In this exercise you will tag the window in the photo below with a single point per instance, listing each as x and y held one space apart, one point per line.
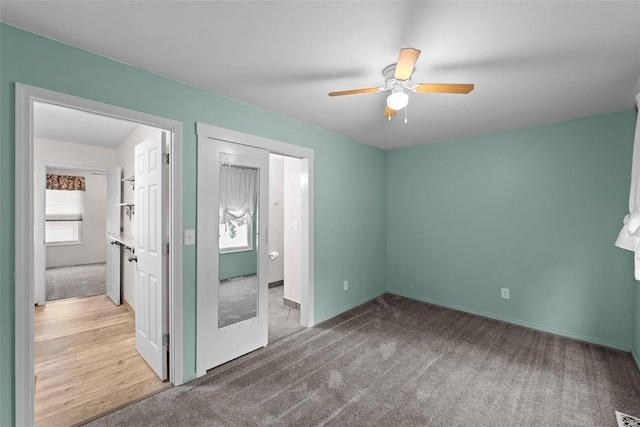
238 193
63 232
63 217
235 235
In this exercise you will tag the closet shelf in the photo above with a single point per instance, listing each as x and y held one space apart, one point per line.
131 180
128 242
129 209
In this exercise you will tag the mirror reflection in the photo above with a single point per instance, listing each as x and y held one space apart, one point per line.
238 260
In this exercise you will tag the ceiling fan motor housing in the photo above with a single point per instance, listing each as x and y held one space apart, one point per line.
391 82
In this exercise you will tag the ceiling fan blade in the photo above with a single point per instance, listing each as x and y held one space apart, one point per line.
443 88
388 112
406 62
355 91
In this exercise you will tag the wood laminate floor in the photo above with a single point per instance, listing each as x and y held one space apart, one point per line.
86 363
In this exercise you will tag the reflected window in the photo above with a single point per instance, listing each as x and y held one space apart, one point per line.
238 193
235 235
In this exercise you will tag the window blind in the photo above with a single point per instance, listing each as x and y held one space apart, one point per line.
63 205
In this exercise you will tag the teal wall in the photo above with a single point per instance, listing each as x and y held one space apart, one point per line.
536 210
238 264
349 177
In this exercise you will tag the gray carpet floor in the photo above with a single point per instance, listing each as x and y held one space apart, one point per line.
76 281
400 362
238 300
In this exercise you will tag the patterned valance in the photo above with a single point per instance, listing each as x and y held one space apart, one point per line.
65 182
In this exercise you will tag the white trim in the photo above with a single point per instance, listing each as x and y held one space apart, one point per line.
307 317
273 146
176 330
307 254
202 295
24 309
24 232
635 358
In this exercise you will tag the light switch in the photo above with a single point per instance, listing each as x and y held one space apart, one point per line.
189 237
296 225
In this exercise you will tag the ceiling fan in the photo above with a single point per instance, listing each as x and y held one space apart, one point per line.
397 78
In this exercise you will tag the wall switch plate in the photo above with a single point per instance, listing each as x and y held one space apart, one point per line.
346 285
296 224
505 293
189 237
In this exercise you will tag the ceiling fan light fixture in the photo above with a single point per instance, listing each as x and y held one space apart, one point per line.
397 78
397 100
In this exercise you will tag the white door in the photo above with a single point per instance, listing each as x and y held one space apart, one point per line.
235 271
113 230
151 302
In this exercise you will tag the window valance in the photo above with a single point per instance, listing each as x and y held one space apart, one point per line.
65 182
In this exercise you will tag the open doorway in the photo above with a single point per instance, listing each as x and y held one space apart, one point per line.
153 167
75 232
87 356
285 239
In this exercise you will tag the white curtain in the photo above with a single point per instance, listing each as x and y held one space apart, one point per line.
237 193
629 237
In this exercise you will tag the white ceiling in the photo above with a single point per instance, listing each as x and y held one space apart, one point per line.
79 127
532 62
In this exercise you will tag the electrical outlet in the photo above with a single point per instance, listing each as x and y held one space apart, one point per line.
505 293
346 285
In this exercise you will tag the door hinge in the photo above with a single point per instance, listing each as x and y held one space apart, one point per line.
165 158
165 340
165 249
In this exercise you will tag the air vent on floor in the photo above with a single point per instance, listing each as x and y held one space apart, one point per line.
625 420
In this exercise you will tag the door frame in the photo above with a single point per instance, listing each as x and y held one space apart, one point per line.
39 221
306 155
25 97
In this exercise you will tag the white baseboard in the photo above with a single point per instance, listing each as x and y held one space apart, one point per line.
350 306
636 358
579 337
189 377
